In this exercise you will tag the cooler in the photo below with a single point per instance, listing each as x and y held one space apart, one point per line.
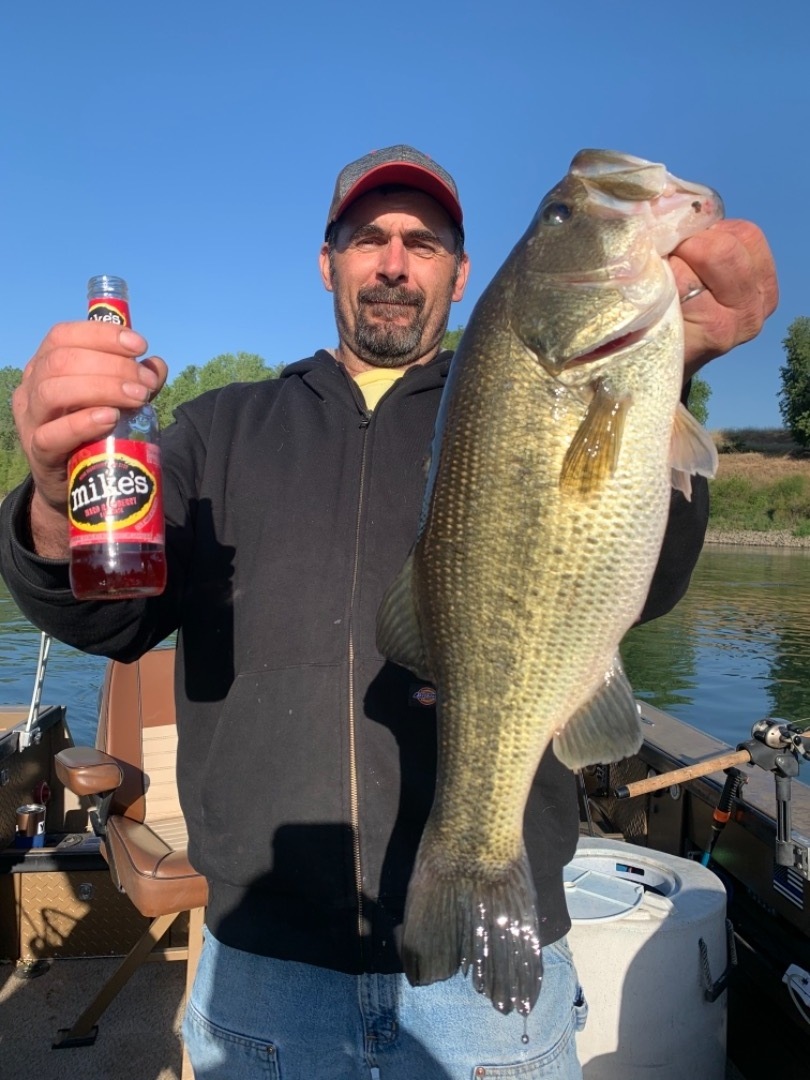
650 943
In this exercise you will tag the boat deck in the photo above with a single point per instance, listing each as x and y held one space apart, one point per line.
139 1035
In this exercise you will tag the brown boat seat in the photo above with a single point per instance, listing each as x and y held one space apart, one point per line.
130 776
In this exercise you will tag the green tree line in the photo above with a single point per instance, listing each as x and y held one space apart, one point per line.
192 381
13 466
794 397
222 370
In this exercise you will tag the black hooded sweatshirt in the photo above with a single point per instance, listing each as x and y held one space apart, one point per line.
306 762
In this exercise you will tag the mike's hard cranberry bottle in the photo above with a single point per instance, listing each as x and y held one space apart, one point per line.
115 497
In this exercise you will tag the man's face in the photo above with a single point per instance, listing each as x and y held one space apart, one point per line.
394 273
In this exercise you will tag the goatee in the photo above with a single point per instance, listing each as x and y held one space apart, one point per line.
381 339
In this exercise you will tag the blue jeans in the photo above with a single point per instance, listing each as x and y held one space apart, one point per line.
252 1016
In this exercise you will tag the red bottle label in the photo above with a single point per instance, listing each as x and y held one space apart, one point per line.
114 493
109 309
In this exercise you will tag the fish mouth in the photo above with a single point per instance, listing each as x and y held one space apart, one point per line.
633 332
609 347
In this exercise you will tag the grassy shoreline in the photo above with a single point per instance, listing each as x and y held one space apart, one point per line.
761 494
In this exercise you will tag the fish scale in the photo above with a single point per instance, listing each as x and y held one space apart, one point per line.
545 507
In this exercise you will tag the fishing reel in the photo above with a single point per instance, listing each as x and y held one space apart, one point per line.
780 735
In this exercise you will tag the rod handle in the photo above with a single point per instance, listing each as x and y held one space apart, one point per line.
680 776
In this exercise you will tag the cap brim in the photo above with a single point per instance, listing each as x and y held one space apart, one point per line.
408 174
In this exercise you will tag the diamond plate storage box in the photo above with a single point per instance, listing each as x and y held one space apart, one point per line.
61 902
57 900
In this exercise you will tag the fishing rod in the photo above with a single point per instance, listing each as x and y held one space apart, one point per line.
29 735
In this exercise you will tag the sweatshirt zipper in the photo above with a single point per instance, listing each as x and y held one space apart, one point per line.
354 799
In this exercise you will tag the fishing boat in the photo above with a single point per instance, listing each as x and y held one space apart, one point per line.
689 895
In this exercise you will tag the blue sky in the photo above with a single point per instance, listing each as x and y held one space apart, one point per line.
192 148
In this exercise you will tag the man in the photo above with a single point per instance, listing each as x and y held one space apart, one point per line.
306 763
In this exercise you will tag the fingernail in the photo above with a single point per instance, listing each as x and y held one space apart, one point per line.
132 341
136 390
149 377
105 415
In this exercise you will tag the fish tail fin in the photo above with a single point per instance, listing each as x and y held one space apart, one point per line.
606 728
487 923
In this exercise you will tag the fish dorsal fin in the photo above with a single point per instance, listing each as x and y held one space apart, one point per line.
594 451
399 636
606 728
692 451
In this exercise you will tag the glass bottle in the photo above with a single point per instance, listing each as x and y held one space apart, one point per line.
115 497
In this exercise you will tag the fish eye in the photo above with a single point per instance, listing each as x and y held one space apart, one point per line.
555 213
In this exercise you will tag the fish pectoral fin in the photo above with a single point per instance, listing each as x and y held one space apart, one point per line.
607 728
593 454
692 451
399 635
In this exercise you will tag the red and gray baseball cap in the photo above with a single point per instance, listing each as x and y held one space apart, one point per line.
395 165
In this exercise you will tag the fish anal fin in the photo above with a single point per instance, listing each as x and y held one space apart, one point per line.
593 455
692 451
399 636
606 728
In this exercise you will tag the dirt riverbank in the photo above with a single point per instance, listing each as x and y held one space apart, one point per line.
776 538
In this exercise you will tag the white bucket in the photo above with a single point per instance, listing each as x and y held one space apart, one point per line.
638 956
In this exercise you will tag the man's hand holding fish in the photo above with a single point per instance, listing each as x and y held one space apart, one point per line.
732 266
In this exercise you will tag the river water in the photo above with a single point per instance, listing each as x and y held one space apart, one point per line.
736 649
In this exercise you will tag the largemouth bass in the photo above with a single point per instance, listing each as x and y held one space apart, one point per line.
559 435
